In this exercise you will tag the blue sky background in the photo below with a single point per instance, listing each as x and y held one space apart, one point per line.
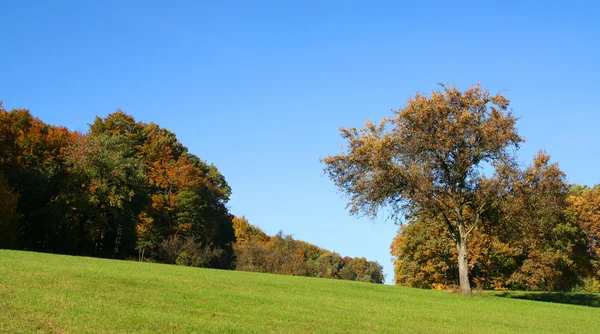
260 88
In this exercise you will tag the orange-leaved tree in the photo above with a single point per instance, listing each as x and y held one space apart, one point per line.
428 160
585 204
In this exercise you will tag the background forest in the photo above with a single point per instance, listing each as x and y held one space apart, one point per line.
131 190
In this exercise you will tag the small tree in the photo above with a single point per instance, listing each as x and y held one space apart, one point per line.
427 160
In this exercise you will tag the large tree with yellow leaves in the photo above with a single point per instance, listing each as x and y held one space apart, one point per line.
428 160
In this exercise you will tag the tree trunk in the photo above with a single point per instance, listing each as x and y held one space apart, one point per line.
463 263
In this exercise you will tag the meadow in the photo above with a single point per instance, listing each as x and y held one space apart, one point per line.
67 294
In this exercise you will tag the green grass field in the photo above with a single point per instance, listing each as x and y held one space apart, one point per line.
52 294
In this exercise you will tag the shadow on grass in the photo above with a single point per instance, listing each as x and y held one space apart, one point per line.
583 299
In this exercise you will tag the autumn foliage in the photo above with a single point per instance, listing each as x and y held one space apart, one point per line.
541 237
426 161
131 190
445 167
282 254
125 188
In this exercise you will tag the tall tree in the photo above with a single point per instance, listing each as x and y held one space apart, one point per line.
187 211
428 160
107 191
31 161
554 252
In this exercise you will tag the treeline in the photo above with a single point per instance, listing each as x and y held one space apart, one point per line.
282 254
125 189
541 235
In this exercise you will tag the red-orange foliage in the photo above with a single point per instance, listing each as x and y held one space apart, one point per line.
585 204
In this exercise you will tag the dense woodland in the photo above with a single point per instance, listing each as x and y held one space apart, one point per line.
131 190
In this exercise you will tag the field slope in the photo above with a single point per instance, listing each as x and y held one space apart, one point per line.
52 293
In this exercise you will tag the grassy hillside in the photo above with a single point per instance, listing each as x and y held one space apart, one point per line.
51 293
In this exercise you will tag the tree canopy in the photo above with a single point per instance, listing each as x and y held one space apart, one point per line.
124 187
534 242
429 160
130 190
445 167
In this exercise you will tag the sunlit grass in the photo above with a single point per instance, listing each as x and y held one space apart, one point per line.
52 293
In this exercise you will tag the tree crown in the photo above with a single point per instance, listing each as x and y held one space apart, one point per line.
429 156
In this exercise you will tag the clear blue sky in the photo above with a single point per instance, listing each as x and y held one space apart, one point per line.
260 88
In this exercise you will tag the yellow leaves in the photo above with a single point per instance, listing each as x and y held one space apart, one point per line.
244 232
541 159
500 101
144 225
157 201
585 204
183 228
241 227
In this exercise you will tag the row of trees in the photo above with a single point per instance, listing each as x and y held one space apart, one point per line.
129 189
282 254
445 166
